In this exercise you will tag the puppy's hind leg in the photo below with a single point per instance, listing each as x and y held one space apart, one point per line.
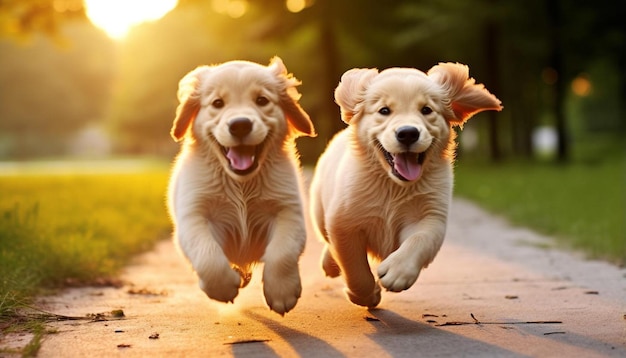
351 253
330 266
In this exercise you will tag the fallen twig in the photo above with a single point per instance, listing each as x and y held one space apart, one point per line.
48 317
92 317
244 341
461 323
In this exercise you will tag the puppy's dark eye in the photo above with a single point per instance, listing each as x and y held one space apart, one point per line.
218 103
262 101
385 111
426 110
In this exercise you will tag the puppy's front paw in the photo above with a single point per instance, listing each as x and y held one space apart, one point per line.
221 284
282 288
370 301
397 274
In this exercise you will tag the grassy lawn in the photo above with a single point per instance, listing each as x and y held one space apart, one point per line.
77 227
582 205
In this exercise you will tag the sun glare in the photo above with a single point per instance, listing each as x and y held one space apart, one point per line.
117 17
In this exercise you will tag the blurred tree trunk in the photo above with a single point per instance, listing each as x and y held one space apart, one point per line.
521 103
329 122
556 62
621 63
524 122
493 84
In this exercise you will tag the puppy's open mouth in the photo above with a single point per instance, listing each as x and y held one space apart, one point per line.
406 166
243 158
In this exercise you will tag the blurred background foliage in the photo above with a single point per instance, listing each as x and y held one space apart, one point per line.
68 89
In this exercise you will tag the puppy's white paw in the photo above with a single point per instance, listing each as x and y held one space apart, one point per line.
281 291
369 301
397 273
221 284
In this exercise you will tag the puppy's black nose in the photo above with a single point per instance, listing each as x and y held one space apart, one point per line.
407 135
240 127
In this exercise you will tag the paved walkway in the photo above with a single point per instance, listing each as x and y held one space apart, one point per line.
492 291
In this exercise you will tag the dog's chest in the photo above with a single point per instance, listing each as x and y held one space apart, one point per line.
242 225
244 216
380 202
380 218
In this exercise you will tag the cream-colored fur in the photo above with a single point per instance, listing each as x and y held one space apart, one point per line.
235 190
384 184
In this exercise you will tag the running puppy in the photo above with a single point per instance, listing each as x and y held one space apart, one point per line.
235 190
384 184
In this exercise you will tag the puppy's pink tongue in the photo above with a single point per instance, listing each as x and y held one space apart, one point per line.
406 165
241 157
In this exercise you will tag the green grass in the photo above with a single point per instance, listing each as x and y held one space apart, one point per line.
582 205
60 229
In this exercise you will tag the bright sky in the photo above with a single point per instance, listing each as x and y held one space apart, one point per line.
116 17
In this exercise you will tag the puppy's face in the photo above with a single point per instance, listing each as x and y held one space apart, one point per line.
403 122
242 111
239 115
403 117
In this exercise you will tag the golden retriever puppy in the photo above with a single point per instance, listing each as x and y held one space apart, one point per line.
384 184
235 190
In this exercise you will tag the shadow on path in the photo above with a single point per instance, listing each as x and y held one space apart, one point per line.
304 344
402 337
257 349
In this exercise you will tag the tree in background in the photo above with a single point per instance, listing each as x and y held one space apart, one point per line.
52 87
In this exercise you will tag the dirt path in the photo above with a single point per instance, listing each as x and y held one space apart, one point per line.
486 294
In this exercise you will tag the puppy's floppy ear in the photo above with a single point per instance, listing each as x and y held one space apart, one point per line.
466 97
189 99
288 99
350 91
